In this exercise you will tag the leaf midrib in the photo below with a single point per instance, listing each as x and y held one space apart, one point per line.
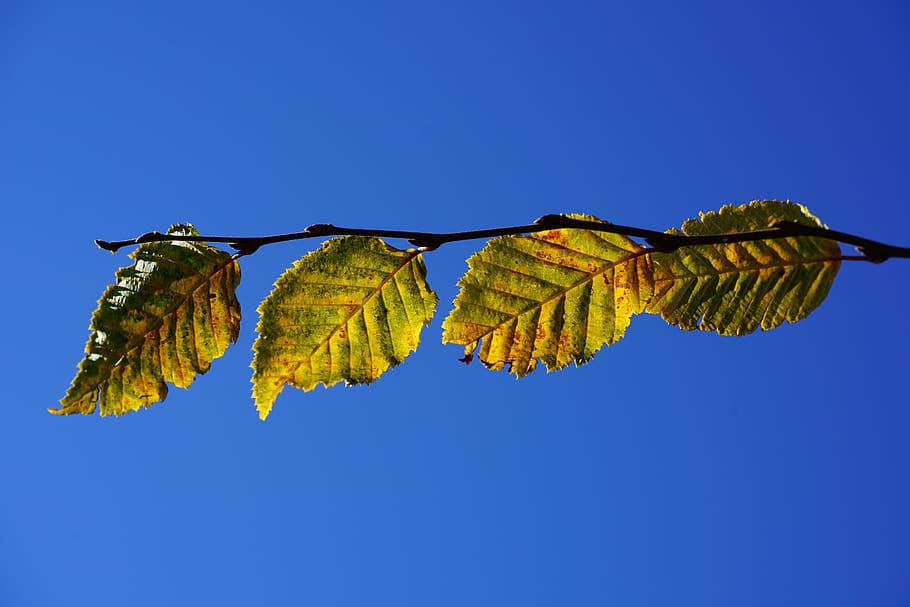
344 323
141 339
562 293
758 268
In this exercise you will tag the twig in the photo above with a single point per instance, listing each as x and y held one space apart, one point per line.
871 250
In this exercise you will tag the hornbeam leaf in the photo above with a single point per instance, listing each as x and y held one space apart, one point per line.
346 312
165 319
556 296
735 288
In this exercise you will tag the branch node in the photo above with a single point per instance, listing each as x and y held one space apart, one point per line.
320 229
873 254
244 247
666 243
426 242
149 237
549 220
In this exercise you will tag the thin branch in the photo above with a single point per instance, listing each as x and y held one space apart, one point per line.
872 250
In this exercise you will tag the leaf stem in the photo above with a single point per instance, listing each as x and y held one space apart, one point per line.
872 251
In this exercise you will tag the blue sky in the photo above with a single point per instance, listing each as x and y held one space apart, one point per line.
674 469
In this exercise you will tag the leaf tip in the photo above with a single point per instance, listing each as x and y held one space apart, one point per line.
264 399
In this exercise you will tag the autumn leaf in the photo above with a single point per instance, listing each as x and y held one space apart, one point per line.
735 288
556 296
166 318
346 312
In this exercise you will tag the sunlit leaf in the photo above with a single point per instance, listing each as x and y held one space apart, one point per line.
556 296
164 320
346 312
735 288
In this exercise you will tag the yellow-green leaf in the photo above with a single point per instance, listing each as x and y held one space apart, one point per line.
556 296
735 288
165 319
346 312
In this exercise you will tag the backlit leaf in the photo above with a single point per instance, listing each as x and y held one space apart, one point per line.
556 296
346 312
164 320
735 288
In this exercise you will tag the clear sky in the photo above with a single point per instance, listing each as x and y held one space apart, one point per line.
674 469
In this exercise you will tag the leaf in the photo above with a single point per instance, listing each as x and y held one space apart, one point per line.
346 312
556 296
735 288
165 319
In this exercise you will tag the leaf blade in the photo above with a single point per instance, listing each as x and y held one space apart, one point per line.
146 330
555 296
346 312
734 289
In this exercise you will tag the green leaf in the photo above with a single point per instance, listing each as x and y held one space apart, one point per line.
556 296
165 319
735 288
346 312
